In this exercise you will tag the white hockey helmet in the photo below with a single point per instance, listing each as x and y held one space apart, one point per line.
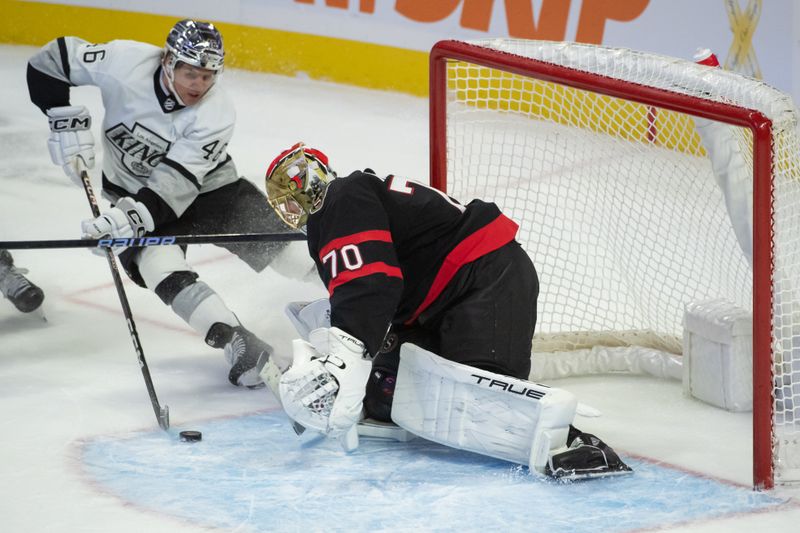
296 183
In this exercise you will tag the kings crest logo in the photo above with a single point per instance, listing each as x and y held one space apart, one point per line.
139 149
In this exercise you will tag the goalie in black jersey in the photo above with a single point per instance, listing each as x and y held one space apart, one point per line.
458 296
166 170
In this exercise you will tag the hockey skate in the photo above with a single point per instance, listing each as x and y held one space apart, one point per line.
245 352
587 457
18 289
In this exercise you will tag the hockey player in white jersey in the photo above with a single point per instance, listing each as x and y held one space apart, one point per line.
166 170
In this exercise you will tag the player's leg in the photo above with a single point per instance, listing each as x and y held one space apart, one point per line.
17 288
164 270
496 415
491 324
490 327
480 411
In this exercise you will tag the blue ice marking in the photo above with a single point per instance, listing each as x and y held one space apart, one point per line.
254 473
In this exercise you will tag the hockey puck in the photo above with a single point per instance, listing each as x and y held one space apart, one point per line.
191 436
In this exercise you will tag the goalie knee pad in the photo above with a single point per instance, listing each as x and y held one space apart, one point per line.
479 411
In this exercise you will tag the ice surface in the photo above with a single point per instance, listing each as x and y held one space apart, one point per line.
271 480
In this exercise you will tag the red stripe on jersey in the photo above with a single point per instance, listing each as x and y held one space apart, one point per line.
355 238
366 270
489 238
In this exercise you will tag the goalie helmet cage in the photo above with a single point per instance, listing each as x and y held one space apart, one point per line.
594 152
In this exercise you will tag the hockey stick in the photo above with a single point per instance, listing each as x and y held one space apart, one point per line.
153 240
162 413
271 374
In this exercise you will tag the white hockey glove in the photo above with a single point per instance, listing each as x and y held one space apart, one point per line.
324 389
127 219
71 139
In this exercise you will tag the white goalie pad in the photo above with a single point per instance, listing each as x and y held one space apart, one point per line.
479 411
308 316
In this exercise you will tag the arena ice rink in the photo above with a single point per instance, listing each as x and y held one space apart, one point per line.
80 447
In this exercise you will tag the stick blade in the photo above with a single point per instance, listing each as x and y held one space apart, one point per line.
163 418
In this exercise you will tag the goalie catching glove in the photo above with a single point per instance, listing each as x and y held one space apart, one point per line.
127 219
324 388
71 143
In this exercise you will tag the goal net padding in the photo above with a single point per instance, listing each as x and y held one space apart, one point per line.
628 218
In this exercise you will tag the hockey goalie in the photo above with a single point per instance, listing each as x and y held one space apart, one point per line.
458 296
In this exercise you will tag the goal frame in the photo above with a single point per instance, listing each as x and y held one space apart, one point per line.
763 189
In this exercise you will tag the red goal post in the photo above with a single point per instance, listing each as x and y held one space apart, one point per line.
490 99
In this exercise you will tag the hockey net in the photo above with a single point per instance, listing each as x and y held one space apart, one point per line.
594 151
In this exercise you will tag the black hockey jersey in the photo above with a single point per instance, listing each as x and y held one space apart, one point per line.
387 248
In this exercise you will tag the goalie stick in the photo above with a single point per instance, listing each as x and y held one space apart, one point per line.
271 374
162 413
152 240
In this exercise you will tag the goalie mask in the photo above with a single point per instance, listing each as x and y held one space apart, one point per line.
194 43
296 183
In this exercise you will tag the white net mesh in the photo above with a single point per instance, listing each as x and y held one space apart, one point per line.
618 204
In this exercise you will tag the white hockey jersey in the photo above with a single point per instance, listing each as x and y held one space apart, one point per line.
150 141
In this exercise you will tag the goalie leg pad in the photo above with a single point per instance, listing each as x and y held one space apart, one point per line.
480 411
